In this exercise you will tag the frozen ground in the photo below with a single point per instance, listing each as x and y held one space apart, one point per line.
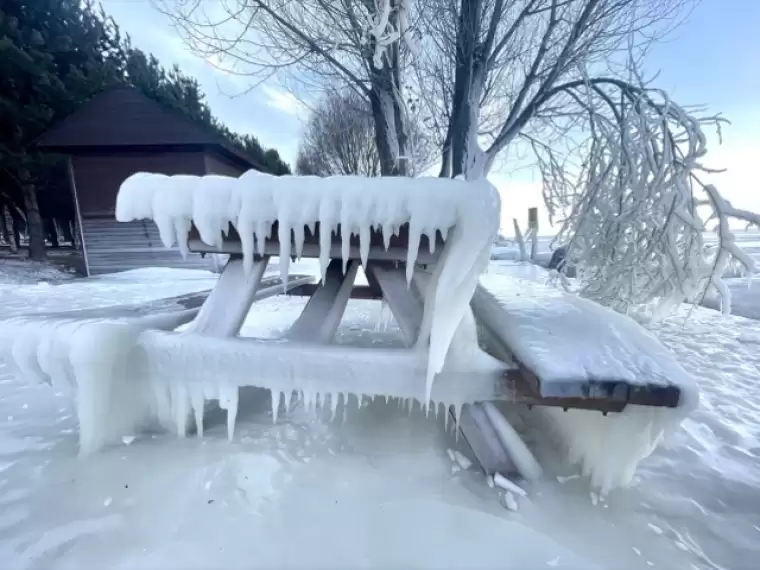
22 272
379 490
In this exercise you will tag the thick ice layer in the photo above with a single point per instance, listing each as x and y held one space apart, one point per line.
466 213
127 376
565 341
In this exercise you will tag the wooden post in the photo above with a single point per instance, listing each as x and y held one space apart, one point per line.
533 229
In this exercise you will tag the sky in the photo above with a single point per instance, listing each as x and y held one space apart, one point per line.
713 59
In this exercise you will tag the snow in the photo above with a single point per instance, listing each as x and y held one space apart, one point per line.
466 214
378 484
18 272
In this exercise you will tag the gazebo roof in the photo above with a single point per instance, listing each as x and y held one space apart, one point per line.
123 119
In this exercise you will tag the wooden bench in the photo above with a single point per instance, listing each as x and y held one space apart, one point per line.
525 377
574 353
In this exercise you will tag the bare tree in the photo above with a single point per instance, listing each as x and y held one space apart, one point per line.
362 44
340 139
620 161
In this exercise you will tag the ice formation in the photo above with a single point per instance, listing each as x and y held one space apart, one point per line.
467 214
563 338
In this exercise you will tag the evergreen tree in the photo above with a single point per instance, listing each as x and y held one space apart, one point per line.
54 56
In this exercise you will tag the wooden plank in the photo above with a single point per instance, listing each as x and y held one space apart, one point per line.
223 313
357 292
584 393
322 314
403 300
484 442
311 250
400 240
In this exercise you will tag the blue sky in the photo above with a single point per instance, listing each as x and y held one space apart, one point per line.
713 60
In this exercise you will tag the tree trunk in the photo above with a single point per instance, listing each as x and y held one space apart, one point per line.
68 231
33 220
4 226
465 97
15 230
383 133
389 114
51 229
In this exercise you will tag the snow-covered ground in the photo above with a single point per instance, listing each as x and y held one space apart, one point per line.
22 272
377 491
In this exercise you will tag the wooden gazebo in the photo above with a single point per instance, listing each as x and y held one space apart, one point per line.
115 134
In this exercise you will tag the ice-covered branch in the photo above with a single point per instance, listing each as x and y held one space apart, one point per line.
633 211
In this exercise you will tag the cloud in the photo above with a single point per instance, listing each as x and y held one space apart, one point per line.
282 100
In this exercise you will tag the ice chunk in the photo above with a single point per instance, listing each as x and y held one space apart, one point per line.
276 397
510 502
500 481
522 457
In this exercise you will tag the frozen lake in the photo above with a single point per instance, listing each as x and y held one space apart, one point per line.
378 490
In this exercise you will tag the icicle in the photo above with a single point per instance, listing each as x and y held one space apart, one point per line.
245 230
307 400
276 396
228 400
198 403
457 417
333 405
317 403
263 229
364 242
386 399
386 231
288 398
412 250
284 237
345 245
345 407
182 228
325 243
179 403
166 231
210 391
298 237
312 225
446 418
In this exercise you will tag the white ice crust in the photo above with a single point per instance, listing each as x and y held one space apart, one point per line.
466 214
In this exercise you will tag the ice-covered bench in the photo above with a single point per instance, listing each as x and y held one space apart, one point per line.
577 356
423 245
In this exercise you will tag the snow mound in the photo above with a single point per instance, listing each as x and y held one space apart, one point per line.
465 213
